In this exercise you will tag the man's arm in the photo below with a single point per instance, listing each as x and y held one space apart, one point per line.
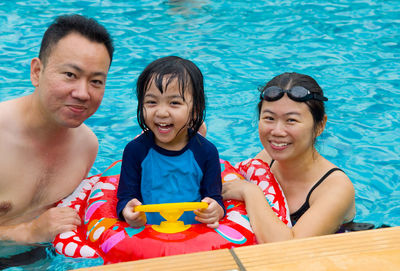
44 228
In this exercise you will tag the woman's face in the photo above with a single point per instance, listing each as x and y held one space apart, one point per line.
286 128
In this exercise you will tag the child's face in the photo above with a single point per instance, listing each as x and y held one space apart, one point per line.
167 114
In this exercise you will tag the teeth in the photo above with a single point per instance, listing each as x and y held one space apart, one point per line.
279 144
163 124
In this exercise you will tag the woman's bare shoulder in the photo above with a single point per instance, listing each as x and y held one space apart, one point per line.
337 189
339 175
263 155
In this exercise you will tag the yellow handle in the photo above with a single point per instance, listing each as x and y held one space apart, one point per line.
171 212
184 206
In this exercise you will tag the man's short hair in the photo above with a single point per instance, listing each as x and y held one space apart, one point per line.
66 24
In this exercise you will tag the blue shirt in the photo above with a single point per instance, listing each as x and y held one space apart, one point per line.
155 175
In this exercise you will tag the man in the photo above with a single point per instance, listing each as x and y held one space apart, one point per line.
45 149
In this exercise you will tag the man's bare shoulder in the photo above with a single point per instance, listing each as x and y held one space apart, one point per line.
8 110
87 144
87 136
10 117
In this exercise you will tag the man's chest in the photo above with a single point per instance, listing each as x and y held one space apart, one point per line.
29 185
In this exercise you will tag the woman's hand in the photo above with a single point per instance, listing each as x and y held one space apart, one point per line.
135 219
211 215
237 189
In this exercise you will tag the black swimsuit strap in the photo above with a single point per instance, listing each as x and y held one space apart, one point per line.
296 215
272 161
321 180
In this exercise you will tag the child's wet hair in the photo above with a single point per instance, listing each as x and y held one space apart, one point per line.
189 77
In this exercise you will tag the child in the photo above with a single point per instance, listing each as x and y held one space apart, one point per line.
170 161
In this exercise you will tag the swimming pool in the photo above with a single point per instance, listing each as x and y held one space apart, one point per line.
352 48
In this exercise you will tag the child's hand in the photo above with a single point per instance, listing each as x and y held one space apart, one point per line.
135 219
211 215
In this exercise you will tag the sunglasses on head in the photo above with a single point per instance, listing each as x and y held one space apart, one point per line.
296 93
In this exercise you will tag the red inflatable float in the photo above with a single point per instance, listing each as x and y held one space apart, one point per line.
101 234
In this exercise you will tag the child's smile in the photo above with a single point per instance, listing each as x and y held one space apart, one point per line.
164 128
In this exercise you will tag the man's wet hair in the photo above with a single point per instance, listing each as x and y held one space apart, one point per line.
67 24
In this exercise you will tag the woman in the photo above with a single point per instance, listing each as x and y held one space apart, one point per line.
320 196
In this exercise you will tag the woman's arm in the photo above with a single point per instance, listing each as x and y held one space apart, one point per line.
329 205
266 225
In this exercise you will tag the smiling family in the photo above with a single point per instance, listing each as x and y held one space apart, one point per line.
46 150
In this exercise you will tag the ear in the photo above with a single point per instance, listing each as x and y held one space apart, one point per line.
321 127
203 129
36 68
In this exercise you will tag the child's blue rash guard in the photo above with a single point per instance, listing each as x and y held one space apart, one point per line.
155 175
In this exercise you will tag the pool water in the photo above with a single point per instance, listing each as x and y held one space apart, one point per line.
352 48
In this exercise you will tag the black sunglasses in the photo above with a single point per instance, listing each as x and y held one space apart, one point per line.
296 93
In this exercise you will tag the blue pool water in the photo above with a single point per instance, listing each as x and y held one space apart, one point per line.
352 48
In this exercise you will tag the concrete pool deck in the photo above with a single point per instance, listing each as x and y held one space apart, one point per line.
377 249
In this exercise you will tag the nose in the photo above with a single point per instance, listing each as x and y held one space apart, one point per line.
162 111
278 129
81 91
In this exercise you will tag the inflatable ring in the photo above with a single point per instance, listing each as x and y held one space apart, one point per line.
101 234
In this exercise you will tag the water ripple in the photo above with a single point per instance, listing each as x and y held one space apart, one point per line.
352 48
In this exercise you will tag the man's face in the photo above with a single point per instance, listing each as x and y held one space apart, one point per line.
71 84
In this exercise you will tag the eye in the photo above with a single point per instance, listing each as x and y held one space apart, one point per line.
176 102
291 120
267 118
149 102
70 74
97 83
